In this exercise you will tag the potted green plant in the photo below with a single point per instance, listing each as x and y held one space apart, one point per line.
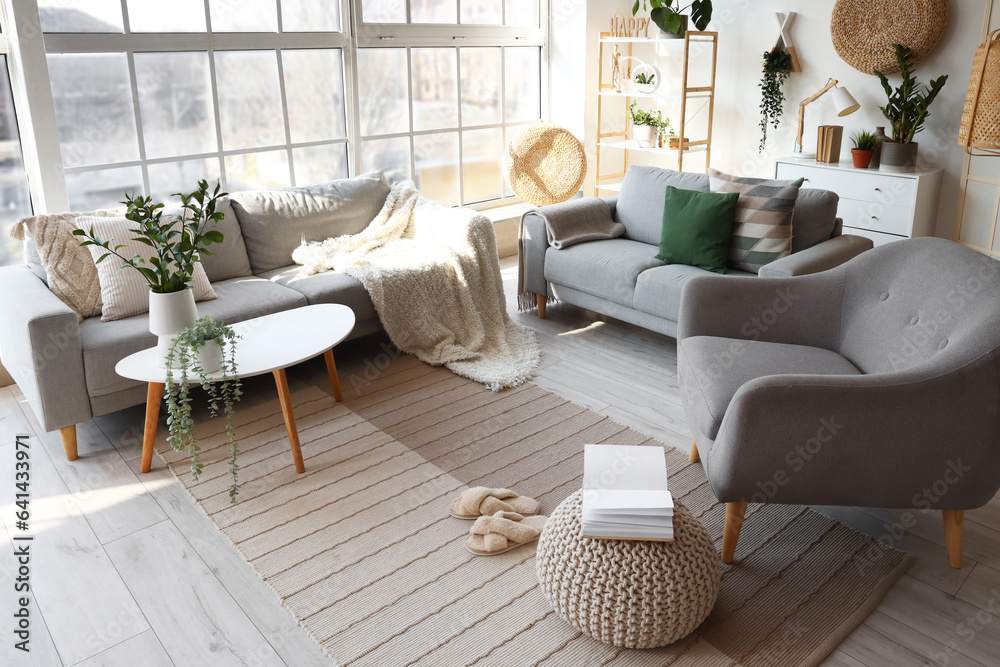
666 14
906 111
178 243
864 148
645 125
644 82
206 352
777 69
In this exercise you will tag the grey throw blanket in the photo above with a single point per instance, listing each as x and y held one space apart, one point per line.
566 224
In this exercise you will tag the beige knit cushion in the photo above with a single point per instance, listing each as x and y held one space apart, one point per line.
628 593
69 268
126 293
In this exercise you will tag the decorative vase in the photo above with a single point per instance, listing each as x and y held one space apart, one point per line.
674 35
898 158
651 72
861 158
210 356
645 135
877 154
169 315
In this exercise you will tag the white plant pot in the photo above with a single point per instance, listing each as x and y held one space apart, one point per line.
645 135
169 315
210 356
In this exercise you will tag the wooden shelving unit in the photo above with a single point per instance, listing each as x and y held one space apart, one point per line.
619 141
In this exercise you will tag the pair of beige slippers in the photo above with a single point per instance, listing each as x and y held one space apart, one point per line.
504 520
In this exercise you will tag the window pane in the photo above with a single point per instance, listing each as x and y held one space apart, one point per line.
172 177
80 15
384 90
94 111
392 156
436 161
482 11
249 99
244 15
104 188
173 16
522 90
175 103
310 15
480 86
319 164
433 11
383 11
435 89
314 90
481 151
15 203
256 171
521 12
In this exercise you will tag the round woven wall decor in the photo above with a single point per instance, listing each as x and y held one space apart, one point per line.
544 164
864 31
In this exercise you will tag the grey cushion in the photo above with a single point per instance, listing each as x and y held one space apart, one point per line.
275 222
228 259
606 269
640 202
658 290
106 343
327 287
34 260
814 218
713 369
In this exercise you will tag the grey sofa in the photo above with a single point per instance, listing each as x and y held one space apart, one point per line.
622 278
66 370
873 384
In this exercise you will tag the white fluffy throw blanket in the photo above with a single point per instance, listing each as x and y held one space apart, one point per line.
434 276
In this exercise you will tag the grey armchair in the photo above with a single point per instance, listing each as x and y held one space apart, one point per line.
873 384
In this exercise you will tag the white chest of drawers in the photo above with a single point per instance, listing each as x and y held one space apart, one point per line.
881 206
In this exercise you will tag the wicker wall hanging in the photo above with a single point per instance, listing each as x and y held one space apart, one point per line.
544 164
864 31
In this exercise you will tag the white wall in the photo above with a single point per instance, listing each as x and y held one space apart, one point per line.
746 30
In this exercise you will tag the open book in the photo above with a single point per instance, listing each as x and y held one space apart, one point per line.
625 493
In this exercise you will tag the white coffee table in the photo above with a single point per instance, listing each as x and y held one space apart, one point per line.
270 344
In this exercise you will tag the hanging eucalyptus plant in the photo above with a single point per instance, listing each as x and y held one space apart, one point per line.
777 68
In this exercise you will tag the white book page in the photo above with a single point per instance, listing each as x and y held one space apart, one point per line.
625 476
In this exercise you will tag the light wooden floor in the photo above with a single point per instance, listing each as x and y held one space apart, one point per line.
127 570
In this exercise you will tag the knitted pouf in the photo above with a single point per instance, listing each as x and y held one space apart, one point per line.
624 592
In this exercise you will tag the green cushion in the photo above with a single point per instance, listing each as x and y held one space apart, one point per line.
697 227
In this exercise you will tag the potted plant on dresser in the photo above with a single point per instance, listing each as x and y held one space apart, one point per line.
645 125
667 15
864 148
906 111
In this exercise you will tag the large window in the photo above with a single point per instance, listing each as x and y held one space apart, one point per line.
15 203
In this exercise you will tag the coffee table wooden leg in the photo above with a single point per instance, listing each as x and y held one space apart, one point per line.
286 409
154 394
331 368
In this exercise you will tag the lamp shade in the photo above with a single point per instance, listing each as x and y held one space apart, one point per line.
981 116
844 102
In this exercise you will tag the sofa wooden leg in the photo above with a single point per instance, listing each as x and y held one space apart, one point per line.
541 299
731 531
694 457
68 436
954 523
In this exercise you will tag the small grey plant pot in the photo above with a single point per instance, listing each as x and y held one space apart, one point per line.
673 35
898 158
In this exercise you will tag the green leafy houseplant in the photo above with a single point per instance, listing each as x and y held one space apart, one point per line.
906 108
865 141
184 361
645 79
643 117
667 15
178 241
777 69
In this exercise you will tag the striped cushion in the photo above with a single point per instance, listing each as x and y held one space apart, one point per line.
762 229
126 293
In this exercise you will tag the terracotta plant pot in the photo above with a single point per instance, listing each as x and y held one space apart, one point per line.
899 158
861 158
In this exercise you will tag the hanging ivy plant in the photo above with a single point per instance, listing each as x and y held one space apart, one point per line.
777 68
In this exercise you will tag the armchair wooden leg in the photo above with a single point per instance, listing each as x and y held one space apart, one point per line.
694 457
954 523
68 436
541 299
731 531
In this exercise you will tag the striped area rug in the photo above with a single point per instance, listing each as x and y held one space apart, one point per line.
363 552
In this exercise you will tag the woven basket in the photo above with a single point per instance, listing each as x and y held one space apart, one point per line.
981 117
545 164
864 31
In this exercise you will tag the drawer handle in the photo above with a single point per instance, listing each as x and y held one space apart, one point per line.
874 217
805 180
878 189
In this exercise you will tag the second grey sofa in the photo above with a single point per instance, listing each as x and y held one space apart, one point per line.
622 278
